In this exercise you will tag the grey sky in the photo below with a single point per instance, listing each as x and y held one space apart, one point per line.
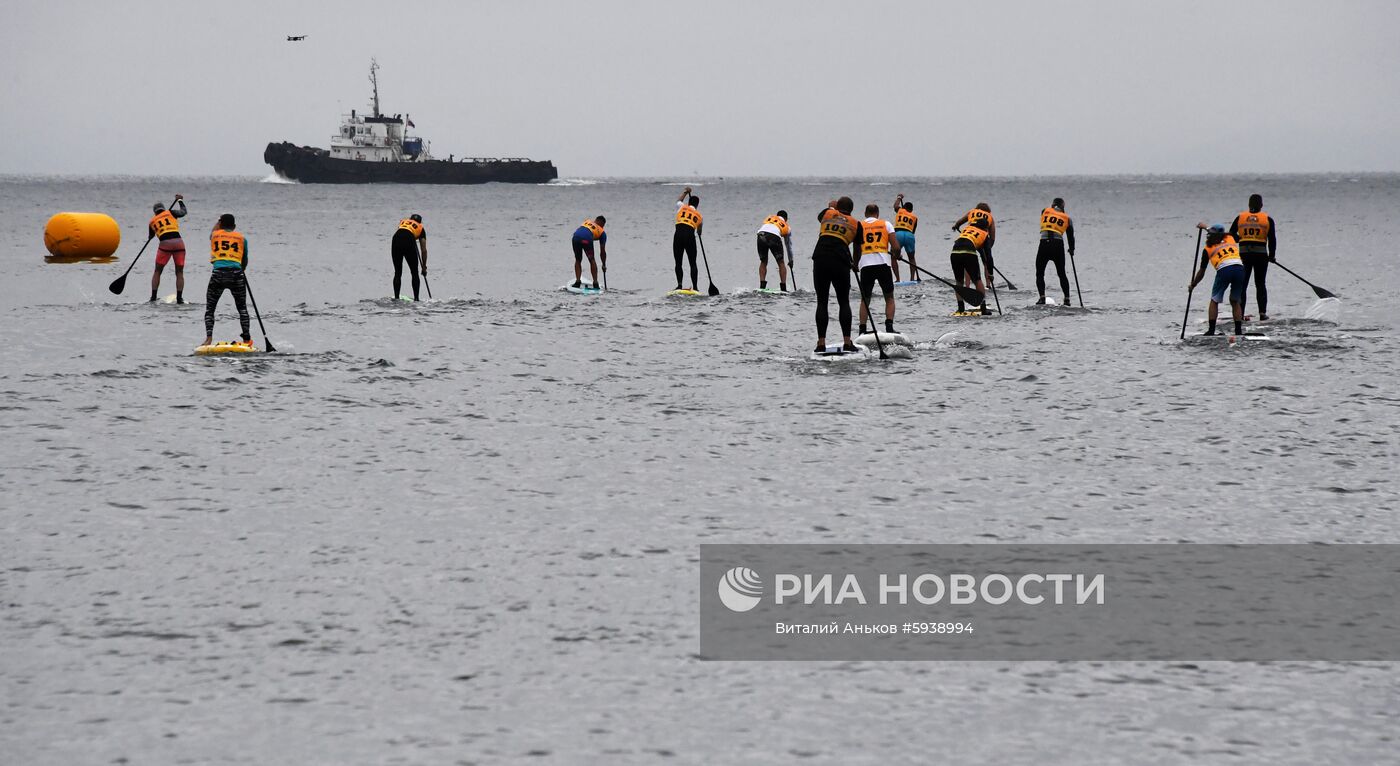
716 87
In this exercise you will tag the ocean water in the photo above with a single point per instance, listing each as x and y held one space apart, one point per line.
466 531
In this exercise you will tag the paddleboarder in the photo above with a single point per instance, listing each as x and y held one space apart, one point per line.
1056 229
773 235
832 259
1255 231
877 243
981 212
228 258
905 223
402 249
171 247
585 235
969 245
1222 252
689 222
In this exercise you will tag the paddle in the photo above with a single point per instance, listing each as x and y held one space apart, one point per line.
713 290
256 313
1321 293
1187 317
425 283
119 284
869 313
993 283
968 294
1009 286
605 272
1076 280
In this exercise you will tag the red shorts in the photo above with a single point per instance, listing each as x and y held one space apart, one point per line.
171 248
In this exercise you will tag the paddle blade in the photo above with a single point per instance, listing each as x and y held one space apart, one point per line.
1321 293
713 290
118 284
971 295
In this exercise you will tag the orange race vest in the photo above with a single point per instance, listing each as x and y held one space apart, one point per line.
593 228
1224 253
971 233
163 223
977 214
839 225
1053 221
412 227
778 221
906 221
875 237
1253 227
226 247
689 216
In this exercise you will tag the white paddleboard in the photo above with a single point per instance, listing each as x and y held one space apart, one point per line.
586 289
887 338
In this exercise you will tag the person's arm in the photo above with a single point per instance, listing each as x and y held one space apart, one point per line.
787 240
245 253
1200 272
1273 242
855 246
1235 228
423 254
991 231
603 249
151 231
960 222
1069 233
178 208
680 201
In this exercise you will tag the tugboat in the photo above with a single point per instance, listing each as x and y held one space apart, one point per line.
376 148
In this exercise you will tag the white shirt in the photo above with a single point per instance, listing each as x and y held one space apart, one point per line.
876 259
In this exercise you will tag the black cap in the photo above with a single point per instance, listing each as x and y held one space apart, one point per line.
600 219
782 214
226 221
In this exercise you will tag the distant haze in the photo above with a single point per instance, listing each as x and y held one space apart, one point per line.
717 87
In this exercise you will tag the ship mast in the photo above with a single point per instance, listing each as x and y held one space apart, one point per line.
374 81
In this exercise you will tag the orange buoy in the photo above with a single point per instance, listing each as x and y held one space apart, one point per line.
81 237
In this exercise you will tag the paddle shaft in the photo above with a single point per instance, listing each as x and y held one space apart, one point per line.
1187 316
1009 286
865 301
993 284
967 293
1075 271
119 284
713 290
257 313
1321 293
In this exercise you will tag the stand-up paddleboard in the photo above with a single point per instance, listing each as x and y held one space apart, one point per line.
835 354
685 293
586 289
226 347
1229 338
772 291
1225 319
977 312
887 338
908 283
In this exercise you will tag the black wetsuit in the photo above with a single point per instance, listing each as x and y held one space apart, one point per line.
404 248
1256 257
1052 250
831 268
683 243
233 281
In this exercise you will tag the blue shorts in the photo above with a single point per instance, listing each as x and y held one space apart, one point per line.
1233 277
905 240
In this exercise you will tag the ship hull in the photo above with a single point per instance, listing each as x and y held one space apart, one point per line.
316 166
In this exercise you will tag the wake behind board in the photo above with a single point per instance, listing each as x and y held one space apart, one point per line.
685 293
583 290
226 347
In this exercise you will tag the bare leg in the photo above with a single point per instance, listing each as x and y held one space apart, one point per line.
155 280
593 269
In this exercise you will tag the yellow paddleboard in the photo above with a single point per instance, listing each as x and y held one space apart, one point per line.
227 347
686 293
